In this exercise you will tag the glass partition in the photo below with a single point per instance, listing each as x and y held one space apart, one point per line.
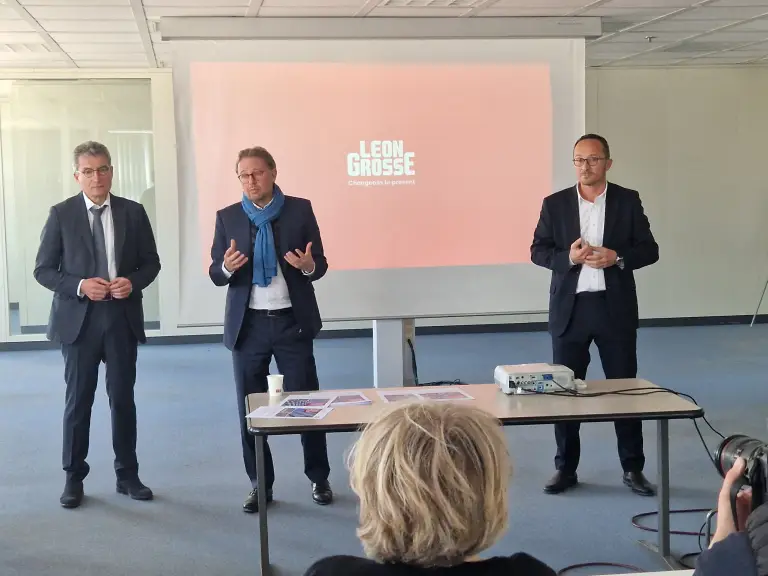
41 122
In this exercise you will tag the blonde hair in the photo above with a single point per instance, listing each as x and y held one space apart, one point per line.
432 482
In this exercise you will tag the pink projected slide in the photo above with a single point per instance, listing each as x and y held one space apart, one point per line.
405 165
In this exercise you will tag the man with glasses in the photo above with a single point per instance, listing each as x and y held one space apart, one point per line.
97 253
267 250
592 236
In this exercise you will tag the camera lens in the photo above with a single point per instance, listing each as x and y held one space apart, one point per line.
733 447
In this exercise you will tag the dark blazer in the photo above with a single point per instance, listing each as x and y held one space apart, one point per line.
626 231
293 229
66 256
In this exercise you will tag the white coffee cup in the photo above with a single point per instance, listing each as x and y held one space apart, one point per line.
275 384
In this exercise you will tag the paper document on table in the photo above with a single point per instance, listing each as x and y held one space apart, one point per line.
268 412
307 400
352 399
436 395
443 395
323 399
390 397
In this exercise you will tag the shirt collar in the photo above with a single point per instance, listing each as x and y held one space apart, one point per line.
89 204
599 199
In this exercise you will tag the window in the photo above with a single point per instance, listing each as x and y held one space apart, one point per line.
41 122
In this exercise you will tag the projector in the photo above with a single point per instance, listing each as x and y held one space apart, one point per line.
534 378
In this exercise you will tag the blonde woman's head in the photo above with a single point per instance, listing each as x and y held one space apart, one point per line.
432 481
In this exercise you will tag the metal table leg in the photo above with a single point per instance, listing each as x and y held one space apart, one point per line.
262 488
663 488
662 547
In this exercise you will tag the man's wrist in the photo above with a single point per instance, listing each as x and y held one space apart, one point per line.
309 272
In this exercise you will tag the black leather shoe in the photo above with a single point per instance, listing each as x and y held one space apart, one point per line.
638 484
251 504
560 482
72 496
321 493
134 488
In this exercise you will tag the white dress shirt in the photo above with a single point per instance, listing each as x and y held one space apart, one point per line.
592 224
109 236
272 297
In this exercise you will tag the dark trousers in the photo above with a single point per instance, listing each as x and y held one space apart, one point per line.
260 338
105 337
591 321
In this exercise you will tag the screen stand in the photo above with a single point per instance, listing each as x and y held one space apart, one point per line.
392 356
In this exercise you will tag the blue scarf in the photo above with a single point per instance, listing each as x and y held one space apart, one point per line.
264 251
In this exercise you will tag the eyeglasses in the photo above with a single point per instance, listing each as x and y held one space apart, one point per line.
89 172
246 176
591 160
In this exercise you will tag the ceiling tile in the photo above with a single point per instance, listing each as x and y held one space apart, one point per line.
22 38
676 25
418 12
311 4
633 14
79 3
496 10
15 26
723 13
642 37
307 11
155 12
6 12
11 56
670 4
569 5
109 64
243 4
73 38
105 48
759 25
741 3
81 13
731 36
94 27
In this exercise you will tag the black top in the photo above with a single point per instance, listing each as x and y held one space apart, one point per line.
519 564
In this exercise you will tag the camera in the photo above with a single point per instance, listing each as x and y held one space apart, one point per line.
755 452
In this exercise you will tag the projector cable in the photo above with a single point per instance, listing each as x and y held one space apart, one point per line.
636 518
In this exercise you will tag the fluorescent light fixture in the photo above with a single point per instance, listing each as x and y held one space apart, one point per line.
241 28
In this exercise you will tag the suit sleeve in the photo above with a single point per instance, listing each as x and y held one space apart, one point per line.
47 270
149 260
644 250
544 251
318 254
218 248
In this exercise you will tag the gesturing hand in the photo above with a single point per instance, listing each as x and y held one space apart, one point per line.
120 288
302 260
579 251
95 289
601 257
233 259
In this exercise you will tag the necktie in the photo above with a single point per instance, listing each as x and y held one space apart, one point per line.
100 243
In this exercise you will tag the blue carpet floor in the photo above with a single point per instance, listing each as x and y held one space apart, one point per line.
189 455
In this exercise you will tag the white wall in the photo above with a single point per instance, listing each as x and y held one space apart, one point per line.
693 143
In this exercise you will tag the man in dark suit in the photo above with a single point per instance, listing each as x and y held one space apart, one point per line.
97 253
592 236
267 249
